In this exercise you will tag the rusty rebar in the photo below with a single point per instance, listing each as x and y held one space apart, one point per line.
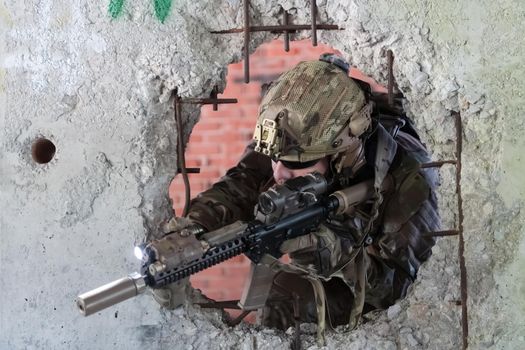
208 101
286 32
313 11
212 100
437 164
390 56
190 170
279 28
234 322
246 41
461 245
213 96
227 304
440 233
181 158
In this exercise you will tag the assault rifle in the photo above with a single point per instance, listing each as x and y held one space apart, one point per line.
282 213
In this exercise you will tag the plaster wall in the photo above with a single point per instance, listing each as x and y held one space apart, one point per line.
100 89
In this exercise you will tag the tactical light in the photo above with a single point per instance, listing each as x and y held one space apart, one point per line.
139 254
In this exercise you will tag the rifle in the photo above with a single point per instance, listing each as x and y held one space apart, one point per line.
284 212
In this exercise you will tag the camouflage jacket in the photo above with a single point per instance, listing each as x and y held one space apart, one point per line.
398 249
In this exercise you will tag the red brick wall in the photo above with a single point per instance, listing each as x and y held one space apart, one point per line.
219 138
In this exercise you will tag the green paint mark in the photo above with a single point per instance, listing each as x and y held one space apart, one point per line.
162 9
5 16
115 7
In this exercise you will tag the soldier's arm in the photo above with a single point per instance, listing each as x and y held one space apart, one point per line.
409 212
234 196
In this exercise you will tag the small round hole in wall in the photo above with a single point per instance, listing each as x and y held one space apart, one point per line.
43 150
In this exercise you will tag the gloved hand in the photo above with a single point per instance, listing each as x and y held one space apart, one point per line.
174 294
175 224
320 249
299 243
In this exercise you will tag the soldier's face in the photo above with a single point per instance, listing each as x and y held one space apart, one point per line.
281 173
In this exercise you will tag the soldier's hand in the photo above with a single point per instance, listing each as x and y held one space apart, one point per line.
175 224
320 249
174 294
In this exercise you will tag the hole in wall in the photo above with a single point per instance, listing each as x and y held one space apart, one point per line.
43 150
220 137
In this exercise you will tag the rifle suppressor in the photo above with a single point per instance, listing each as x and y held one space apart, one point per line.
111 294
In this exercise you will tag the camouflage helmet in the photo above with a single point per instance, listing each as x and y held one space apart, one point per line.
312 111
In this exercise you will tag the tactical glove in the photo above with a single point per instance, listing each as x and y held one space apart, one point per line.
320 249
175 224
174 294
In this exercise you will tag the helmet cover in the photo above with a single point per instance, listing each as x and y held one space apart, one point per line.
312 111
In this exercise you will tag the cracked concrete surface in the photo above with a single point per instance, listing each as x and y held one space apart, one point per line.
100 90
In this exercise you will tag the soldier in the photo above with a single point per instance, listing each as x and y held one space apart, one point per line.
316 118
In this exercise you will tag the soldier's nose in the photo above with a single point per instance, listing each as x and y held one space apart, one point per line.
281 173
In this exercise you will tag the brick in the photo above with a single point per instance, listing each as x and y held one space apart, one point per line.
210 272
195 137
226 285
205 149
200 283
224 112
214 125
250 111
239 259
248 319
220 138
235 269
356 73
193 162
214 294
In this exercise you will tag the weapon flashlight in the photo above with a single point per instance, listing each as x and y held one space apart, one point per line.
139 254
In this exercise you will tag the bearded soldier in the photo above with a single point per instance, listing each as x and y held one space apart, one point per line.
315 118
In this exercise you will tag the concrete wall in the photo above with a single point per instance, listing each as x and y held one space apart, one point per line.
99 89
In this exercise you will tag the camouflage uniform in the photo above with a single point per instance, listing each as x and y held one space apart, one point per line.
386 266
